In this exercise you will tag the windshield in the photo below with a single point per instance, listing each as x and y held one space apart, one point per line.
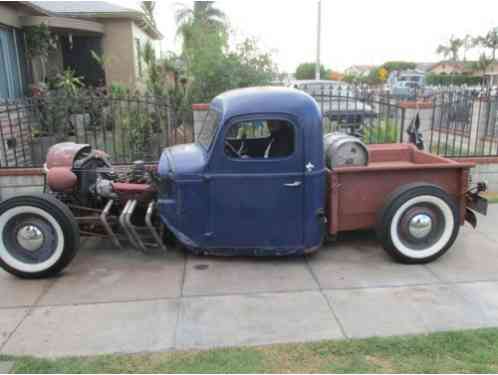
208 130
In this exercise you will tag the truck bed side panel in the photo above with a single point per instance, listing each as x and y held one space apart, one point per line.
355 195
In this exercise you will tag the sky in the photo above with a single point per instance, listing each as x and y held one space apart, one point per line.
353 31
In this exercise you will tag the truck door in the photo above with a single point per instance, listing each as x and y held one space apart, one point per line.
257 185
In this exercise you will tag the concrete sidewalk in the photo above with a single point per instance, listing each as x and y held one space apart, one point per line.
112 301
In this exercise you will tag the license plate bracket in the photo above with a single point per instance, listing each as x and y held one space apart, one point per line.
477 203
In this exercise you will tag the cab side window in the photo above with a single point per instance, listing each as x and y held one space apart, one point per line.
260 139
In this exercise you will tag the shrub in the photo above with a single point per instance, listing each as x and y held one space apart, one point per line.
452 79
382 132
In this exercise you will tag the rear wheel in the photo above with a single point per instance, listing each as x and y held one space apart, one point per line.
418 224
39 236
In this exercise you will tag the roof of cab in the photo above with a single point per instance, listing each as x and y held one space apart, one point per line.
257 100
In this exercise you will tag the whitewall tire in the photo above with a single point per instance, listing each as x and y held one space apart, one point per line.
39 236
418 224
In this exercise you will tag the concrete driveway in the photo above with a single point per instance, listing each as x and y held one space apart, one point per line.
111 301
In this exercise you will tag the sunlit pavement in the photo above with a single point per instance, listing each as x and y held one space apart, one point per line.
115 301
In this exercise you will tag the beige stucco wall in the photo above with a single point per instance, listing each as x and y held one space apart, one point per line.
447 69
492 69
117 46
121 54
139 34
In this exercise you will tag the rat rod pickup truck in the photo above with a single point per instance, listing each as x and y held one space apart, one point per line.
261 179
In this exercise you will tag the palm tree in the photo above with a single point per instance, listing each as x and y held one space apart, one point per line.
490 40
148 9
451 49
468 43
204 15
483 64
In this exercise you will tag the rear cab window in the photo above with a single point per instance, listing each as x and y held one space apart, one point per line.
260 139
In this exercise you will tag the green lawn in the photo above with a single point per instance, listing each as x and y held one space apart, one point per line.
492 197
462 351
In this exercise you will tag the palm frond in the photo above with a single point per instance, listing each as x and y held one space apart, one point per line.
184 29
182 14
214 13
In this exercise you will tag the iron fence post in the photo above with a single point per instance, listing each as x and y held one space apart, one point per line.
402 127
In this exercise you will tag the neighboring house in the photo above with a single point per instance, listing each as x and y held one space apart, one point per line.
451 67
359 70
118 34
491 75
424 67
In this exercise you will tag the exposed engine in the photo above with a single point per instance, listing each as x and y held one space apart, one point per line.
105 199
85 176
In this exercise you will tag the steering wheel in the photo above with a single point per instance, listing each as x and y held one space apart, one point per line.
232 150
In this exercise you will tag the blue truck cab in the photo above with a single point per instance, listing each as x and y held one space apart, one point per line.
238 190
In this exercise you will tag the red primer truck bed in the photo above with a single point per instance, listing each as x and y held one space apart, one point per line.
356 194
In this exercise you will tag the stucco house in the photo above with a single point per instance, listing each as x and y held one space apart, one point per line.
116 33
451 67
489 77
359 70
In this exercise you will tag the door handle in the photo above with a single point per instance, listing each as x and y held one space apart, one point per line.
293 184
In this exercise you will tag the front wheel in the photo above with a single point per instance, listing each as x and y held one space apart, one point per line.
418 224
39 236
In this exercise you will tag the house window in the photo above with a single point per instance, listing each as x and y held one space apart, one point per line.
139 57
11 82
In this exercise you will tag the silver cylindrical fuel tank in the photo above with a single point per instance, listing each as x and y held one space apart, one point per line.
344 150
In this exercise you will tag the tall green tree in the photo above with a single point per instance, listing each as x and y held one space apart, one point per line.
391 66
247 66
451 49
489 41
204 32
469 42
194 23
483 64
307 71
213 67
203 12
148 9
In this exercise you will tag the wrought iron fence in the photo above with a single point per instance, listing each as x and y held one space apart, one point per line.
372 115
464 124
454 121
126 127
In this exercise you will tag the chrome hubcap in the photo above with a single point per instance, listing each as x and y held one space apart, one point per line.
420 226
30 237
